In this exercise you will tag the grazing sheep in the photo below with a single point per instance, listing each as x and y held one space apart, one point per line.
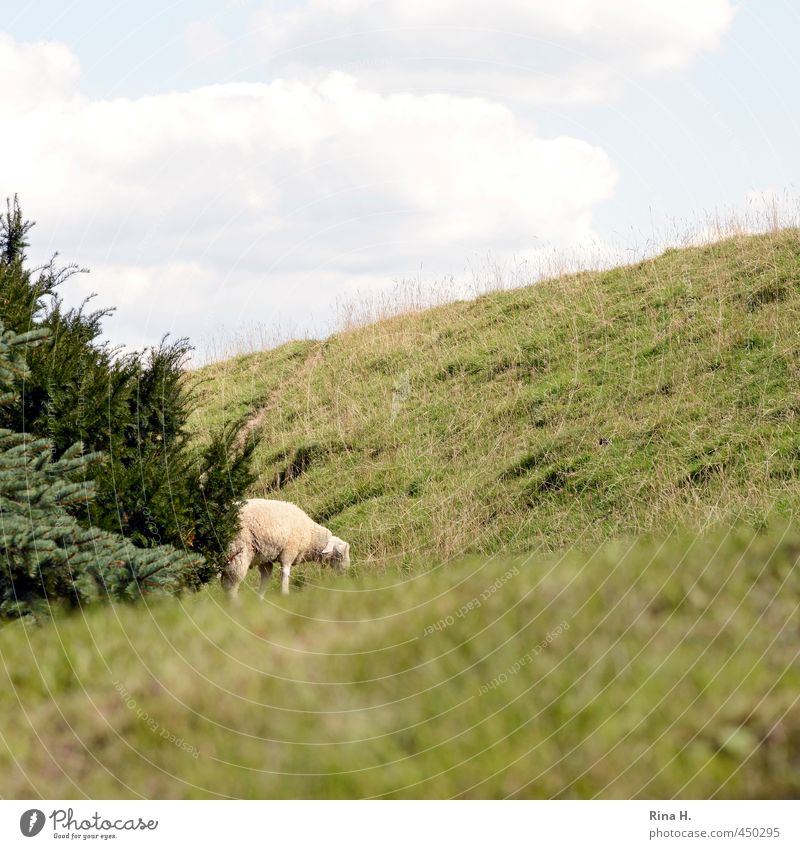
278 530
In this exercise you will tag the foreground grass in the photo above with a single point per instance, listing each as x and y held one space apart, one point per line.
655 670
575 411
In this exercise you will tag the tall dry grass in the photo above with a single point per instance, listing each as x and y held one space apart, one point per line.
761 213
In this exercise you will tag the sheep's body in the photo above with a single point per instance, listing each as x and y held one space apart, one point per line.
277 531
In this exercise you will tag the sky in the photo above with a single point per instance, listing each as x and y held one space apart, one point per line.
225 165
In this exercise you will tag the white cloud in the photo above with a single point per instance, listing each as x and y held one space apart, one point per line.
557 52
256 200
35 74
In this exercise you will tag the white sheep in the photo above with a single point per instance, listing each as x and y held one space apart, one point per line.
278 531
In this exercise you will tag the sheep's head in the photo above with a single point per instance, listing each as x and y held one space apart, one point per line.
337 553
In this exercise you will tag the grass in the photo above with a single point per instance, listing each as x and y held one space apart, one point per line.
575 567
664 669
588 407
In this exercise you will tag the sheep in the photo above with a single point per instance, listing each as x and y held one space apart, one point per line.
278 531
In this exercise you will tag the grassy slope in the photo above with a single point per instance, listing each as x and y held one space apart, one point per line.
546 419
566 413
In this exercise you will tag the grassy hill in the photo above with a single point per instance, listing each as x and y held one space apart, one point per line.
532 609
562 414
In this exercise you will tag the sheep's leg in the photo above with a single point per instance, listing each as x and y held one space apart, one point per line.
286 569
235 571
287 558
230 585
266 574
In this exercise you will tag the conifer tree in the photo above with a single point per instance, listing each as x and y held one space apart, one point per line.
47 557
154 485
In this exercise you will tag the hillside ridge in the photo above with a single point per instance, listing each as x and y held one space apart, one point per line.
587 407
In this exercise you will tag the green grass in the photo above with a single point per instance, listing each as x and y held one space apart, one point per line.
574 411
603 466
671 670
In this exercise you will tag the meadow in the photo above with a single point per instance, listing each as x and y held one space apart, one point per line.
656 670
575 572
585 408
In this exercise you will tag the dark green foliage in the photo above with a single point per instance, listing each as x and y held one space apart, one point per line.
143 490
47 556
131 407
13 233
226 471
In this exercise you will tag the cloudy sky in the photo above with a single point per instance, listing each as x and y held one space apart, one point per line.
220 164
